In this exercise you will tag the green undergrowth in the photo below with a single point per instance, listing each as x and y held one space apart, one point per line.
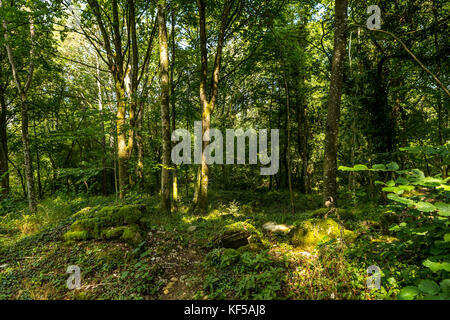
35 251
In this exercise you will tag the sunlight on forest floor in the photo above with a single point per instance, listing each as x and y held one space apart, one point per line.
181 259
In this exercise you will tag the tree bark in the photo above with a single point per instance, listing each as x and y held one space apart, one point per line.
22 90
165 106
201 199
334 103
4 168
172 102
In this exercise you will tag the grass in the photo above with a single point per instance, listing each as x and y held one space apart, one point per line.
177 262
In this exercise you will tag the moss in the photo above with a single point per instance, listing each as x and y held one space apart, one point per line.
252 247
310 232
132 235
76 236
113 233
241 226
109 222
385 239
344 214
239 234
83 212
320 213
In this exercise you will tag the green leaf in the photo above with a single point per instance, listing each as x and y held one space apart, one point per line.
396 198
393 166
447 237
429 287
380 167
406 188
390 183
444 208
408 293
397 190
425 207
445 286
436 266
359 167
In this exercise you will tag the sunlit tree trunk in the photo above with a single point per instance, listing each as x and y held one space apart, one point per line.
334 103
201 196
165 106
172 101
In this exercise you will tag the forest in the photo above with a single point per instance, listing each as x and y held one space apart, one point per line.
224 150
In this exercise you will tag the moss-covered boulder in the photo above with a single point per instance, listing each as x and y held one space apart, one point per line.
114 222
310 232
237 235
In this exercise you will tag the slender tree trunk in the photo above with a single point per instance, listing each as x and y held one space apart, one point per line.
165 106
22 90
140 147
201 199
288 147
102 126
334 103
4 169
302 140
38 163
172 101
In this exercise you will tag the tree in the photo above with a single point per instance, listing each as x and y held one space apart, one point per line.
22 91
334 103
208 103
165 106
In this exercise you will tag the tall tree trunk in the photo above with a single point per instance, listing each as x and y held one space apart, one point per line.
165 106
172 101
140 147
38 163
22 90
302 140
334 103
4 169
288 147
102 126
201 201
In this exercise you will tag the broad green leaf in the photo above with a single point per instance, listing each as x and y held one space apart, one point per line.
393 166
396 198
444 209
397 190
401 180
436 266
406 188
390 183
429 287
360 167
445 286
447 237
408 293
380 167
425 207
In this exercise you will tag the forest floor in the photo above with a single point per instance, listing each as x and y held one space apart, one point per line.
178 259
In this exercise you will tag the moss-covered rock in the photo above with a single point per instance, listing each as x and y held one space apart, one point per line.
252 247
76 236
310 232
132 235
238 234
113 222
